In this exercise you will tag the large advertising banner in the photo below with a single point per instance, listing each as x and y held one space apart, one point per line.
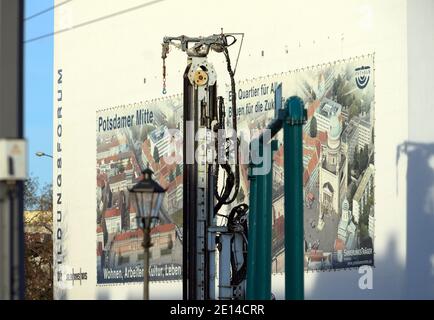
129 139
338 158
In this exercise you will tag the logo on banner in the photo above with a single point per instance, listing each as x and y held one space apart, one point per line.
67 277
362 76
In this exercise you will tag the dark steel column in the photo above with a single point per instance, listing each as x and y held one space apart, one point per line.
189 201
11 126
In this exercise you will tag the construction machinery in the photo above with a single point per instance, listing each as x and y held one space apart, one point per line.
213 234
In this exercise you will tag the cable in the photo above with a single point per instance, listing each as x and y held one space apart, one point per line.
227 190
234 125
109 16
46 10
237 222
231 180
239 52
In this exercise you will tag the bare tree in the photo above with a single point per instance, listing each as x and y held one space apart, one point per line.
38 240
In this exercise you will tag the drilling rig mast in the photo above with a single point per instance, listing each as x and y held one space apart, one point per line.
203 155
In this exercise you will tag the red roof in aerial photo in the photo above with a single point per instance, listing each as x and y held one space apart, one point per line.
114 212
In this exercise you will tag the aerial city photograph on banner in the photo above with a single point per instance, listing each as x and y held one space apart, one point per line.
131 138
338 160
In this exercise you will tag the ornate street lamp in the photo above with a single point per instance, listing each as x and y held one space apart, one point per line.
148 196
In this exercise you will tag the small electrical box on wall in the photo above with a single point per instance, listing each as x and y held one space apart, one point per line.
13 156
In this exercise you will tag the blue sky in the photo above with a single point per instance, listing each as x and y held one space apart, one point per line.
38 87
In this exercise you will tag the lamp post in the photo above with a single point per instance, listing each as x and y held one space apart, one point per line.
148 196
43 154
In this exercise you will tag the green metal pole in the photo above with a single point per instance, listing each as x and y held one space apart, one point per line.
260 233
251 256
261 245
256 283
266 230
293 182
